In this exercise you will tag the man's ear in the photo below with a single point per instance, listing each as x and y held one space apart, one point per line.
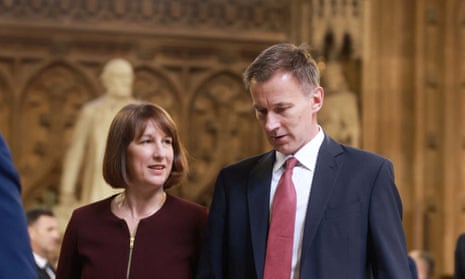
317 98
30 230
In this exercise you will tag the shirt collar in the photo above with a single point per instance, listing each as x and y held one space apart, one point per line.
306 155
40 261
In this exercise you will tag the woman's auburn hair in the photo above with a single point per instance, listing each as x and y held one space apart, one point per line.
129 124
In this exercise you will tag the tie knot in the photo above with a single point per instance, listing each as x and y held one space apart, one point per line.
290 163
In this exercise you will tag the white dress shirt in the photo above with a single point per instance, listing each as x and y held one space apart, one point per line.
302 177
42 263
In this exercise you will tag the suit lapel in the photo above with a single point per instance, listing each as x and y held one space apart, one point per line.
258 196
323 184
42 273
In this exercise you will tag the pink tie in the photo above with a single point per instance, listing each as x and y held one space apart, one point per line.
278 260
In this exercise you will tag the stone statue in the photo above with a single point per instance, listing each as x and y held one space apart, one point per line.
339 116
82 180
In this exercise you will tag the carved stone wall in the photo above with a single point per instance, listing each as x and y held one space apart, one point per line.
241 19
337 29
413 109
188 57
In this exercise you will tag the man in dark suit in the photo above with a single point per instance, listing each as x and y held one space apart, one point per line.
459 265
16 259
348 212
43 232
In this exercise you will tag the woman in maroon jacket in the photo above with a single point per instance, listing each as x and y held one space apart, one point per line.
142 232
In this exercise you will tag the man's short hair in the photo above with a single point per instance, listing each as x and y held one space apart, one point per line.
34 214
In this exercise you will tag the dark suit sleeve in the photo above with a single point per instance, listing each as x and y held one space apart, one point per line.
16 259
387 244
459 272
211 261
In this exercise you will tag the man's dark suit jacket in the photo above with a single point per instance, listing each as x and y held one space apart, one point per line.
42 273
459 272
16 260
353 227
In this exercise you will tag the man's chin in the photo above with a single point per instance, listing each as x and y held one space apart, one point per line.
284 148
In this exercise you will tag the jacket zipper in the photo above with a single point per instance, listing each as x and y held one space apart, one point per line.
131 247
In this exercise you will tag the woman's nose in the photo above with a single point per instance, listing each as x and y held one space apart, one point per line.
158 151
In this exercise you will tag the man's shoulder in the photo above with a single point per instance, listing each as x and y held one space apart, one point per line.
351 152
365 154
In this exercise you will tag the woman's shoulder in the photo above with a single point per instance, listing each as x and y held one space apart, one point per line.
186 206
93 209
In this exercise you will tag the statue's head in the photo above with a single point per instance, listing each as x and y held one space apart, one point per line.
333 78
117 77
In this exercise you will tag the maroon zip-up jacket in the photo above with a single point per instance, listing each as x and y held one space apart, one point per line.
96 243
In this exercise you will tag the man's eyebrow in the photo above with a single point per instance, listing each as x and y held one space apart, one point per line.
282 104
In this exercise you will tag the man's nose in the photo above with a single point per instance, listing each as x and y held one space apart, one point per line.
271 122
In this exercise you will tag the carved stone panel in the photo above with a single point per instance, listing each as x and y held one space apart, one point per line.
49 103
221 112
150 85
6 102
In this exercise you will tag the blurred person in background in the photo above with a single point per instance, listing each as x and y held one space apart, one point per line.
424 262
43 232
459 269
